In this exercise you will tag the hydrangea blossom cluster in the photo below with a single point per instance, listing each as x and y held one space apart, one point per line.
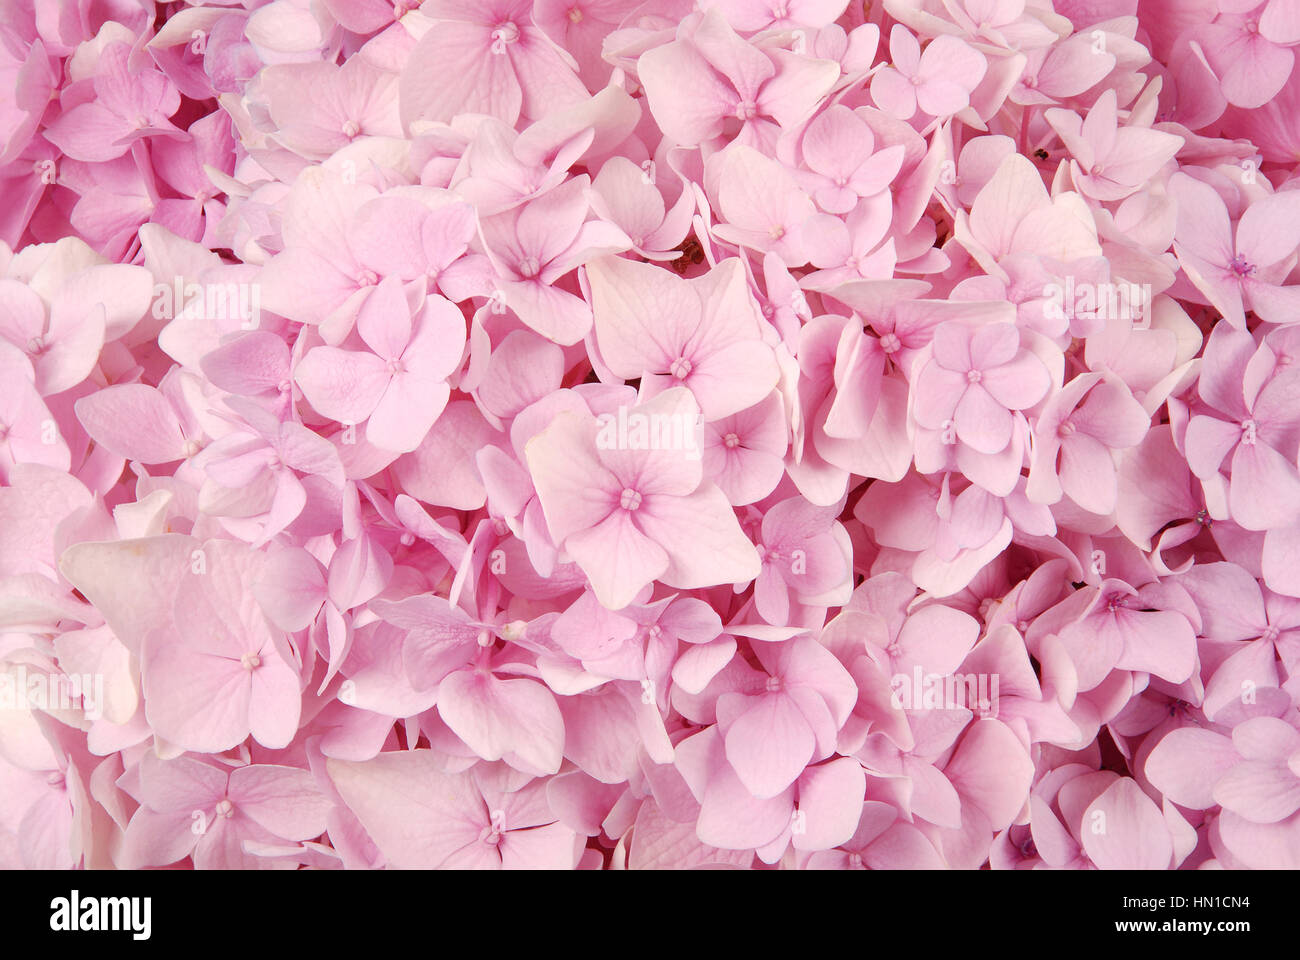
609 434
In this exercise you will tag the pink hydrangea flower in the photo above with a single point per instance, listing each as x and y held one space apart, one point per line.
588 434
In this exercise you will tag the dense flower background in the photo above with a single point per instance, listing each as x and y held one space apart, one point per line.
612 434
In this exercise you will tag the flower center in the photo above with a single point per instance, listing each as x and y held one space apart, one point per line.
1065 428
36 345
1270 634
250 661
772 685
1240 267
575 15
350 129
745 110
367 278
731 441
507 32
629 499
890 343
680 368
225 808
529 267
974 376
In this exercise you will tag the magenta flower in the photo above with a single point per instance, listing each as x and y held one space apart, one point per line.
400 388
1075 436
1249 775
220 815
24 418
127 106
731 82
423 818
772 733
701 334
319 108
939 80
630 514
1247 431
1110 162
486 58
802 558
1241 269
973 382
1115 626
228 655
597 434
535 245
